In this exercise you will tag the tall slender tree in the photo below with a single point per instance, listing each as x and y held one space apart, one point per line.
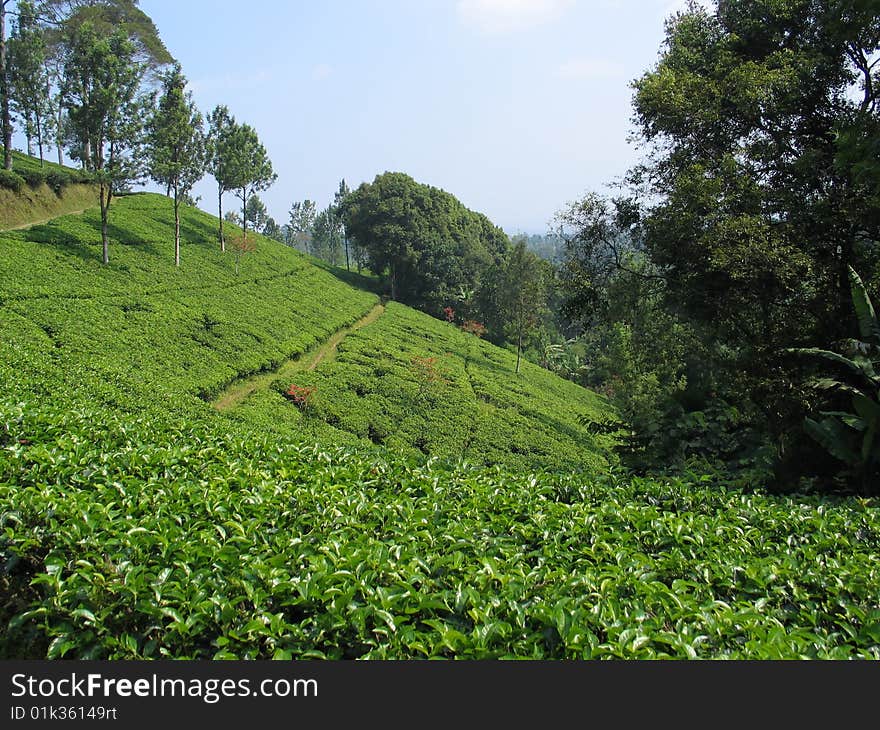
102 81
251 170
301 223
4 90
522 294
28 77
221 125
339 199
176 144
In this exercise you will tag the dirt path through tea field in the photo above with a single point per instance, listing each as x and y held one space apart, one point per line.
238 391
31 224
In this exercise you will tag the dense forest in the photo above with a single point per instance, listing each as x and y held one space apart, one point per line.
629 436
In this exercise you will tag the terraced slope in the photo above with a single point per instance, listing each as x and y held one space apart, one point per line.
416 385
195 331
185 332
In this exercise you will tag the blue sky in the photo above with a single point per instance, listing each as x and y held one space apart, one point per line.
514 106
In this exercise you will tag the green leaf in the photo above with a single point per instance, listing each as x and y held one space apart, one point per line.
868 326
832 435
837 358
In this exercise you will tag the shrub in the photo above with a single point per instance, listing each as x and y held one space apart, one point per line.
302 396
11 181
473 327
83 177
851 436
58 180
34 178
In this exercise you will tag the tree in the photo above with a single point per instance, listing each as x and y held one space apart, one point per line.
301 224
4 90
28 78
339 199
63 18
256 213
759 189
272 230
422 239
522 294
250 168
219 157
326 241
176 144
107 17
102 80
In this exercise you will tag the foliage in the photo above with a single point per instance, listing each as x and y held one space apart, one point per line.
107 17
176 144
291 551
138 523
11 180
852 437
249 168
416 385
107 320
28 78
302 397
422 238
520 294
256 213
102 81
757 191
301 224
219 153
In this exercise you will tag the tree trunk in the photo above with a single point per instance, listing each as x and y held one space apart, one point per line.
30 145
220 213
176 228
393 284
347 264
87 154
244 198
4 91
519 348
59 141
40 140
105 210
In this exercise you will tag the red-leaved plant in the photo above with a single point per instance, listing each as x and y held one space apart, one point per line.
302 396
474 327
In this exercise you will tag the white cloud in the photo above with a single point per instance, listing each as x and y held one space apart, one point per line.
590 68
321 71
497 17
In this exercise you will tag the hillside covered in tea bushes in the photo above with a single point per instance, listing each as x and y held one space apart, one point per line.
253 457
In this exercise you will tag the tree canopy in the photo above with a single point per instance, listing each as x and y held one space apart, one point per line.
427 243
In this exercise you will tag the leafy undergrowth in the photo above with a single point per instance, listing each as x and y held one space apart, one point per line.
160 537
416 385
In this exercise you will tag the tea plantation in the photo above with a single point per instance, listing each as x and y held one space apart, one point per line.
416 385
423 502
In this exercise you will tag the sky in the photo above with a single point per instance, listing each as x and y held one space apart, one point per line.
516 107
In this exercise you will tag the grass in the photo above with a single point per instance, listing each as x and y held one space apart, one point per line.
42 202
